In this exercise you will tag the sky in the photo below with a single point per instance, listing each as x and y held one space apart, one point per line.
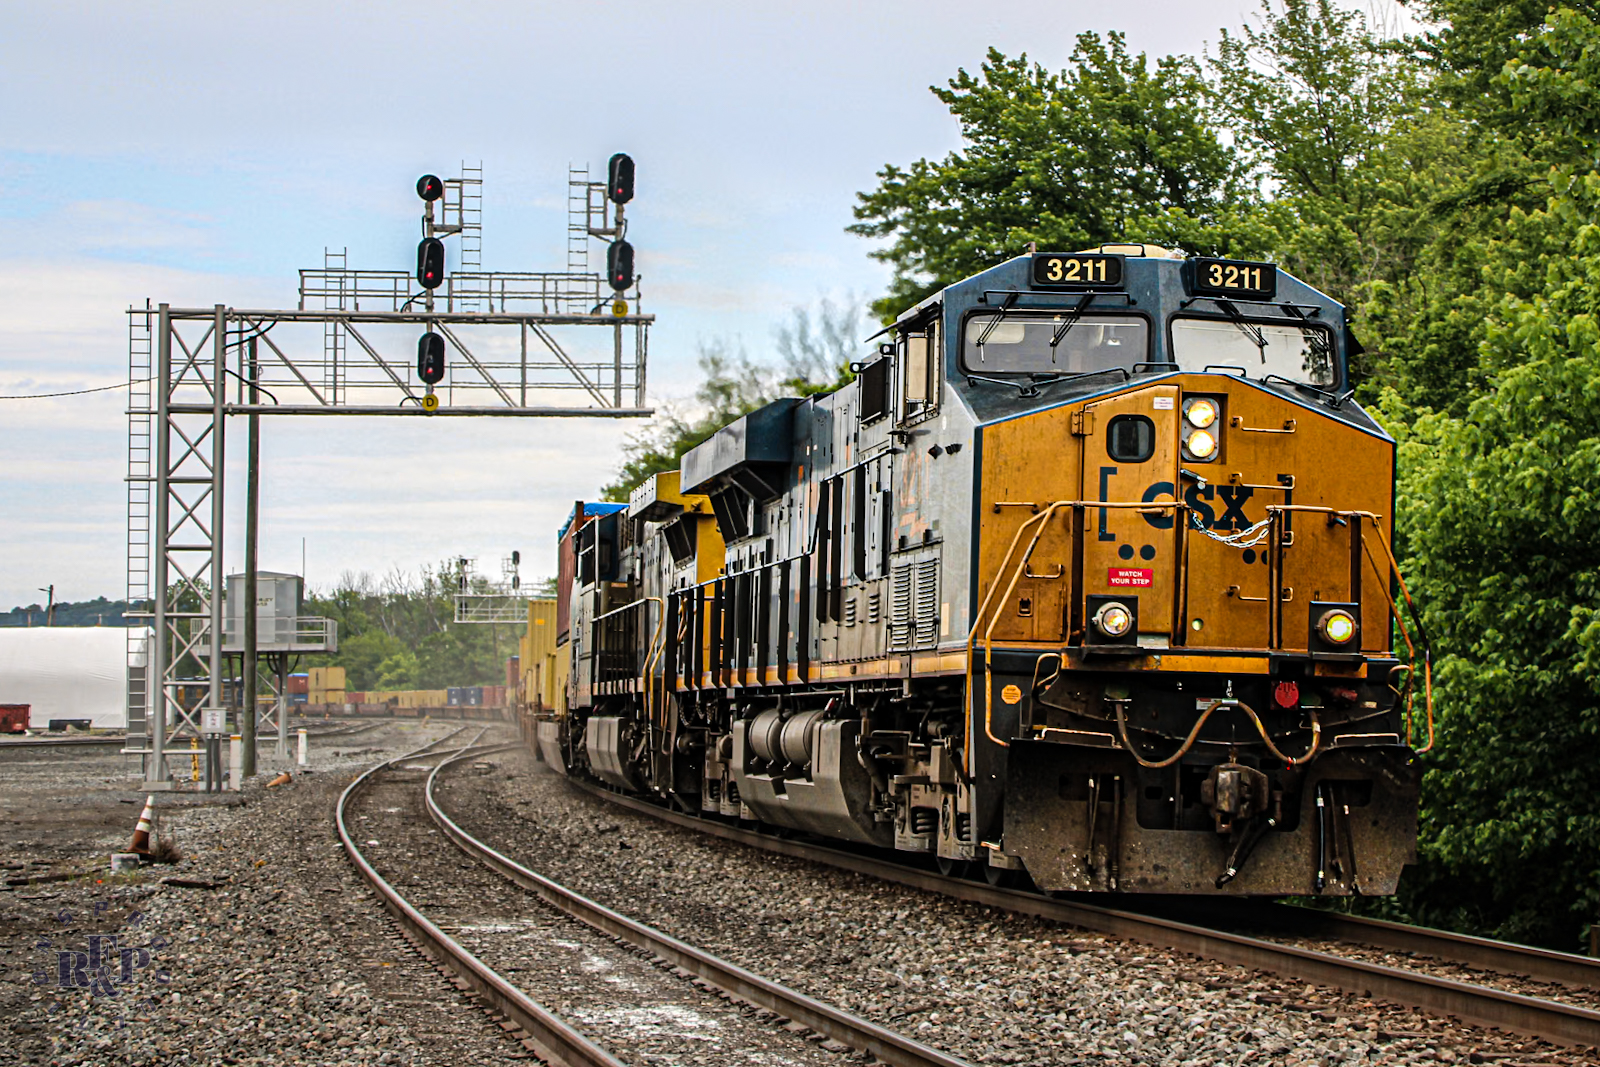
201 153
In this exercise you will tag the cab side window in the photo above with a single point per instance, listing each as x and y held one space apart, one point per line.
919 358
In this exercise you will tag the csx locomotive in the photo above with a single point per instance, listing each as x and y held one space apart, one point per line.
1086 574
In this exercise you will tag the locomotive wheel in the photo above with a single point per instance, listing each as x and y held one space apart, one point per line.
1000 877
951 868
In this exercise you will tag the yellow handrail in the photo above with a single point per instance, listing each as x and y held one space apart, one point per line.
1041 517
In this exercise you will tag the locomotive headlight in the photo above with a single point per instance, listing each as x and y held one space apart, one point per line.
1337 626
1201 412
1113 619
1202 444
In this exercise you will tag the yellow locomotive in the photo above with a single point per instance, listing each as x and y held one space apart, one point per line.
1086 575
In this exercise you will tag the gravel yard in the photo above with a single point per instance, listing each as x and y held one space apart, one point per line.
277 954
985 986
288 960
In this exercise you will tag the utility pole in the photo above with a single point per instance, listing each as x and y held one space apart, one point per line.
50 604
247 716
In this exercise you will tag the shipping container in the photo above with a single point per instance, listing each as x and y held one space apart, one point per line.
14 718
513 671
457 696
472 696
299 684
327 678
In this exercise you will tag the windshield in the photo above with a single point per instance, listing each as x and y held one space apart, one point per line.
1299 353
1019 342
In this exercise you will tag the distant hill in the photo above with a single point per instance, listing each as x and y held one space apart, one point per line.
96 612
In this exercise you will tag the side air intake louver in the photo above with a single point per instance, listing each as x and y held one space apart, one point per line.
914 604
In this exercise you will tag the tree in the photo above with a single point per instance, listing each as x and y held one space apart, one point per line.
1503 105
398 633
1101 152
1498 512
1313 100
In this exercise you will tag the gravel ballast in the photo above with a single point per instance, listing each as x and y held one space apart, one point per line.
983 985
638 1012
288 959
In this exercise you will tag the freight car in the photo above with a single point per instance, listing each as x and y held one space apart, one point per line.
1085 575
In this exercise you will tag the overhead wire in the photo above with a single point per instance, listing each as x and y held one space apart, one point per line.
74 392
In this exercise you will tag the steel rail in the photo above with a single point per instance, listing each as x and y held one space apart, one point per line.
51 742
889 1047
1527 961
1479 1005
554 1040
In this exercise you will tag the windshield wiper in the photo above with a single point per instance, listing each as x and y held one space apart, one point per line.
1250 330
1333 400
1005 306
1030 388
1068 323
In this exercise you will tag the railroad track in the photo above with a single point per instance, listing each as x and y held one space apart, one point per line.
553 1037
1471 1002
57 742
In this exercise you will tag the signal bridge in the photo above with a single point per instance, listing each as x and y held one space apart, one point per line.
432 343
480 601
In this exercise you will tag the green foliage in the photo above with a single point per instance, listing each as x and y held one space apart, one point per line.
1499 512
1098 153
399 633
814 356
97 612
1445 187
1334 122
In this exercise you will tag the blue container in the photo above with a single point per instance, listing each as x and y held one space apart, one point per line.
473 696
456 696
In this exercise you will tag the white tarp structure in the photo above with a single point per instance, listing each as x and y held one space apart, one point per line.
66 672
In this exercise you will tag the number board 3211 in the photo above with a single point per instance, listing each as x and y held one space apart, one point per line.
1234 277
1053 270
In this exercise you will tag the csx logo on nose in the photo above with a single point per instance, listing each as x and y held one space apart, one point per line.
1200 498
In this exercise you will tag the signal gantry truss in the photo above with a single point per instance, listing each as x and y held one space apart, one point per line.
513 349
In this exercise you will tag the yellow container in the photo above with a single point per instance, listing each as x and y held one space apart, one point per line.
325 678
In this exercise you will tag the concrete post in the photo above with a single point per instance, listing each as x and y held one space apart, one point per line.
301 759
236 762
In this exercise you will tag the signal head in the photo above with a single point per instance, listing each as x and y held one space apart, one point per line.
430 187
430 358
619 265
619 178
430 263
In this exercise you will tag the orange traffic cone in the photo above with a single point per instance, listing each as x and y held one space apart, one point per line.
141 834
